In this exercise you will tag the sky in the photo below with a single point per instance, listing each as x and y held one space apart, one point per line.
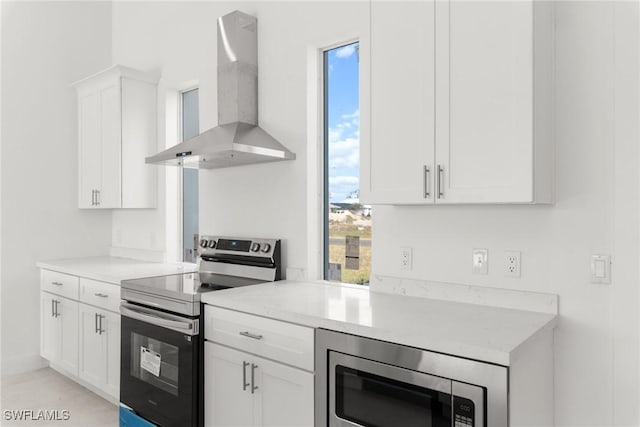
344 122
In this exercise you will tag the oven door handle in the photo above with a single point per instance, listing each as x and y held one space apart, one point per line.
154 317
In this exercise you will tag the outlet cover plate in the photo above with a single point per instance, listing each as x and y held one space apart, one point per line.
512 260
480 261
406 258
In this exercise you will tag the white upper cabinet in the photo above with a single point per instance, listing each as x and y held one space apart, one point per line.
117 120
460 98
402 114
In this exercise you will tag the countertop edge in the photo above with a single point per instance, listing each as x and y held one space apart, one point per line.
482 354
101 277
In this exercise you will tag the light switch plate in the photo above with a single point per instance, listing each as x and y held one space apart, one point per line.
601 269
480 261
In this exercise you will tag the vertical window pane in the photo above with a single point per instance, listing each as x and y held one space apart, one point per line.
347 221
190 128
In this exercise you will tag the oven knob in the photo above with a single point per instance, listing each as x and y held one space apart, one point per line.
203 243
212 244
255 247
266 248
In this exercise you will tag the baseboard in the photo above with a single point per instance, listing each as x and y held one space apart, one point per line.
18 365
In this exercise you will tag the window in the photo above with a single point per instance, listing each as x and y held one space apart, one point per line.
347 223
190 128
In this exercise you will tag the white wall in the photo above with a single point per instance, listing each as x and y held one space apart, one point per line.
597 178
180 38
45 47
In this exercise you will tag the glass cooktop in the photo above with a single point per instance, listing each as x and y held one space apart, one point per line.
185 287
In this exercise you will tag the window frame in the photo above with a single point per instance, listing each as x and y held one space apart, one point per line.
181 238
323 140
179 181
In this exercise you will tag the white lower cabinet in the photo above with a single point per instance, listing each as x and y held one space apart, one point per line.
242 389
80 331
100 348
228 401
284 396
258 371
59 331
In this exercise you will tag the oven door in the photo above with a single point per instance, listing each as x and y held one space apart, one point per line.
159 365
371 394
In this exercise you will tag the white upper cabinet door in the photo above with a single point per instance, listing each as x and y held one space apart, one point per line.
90 148
138 141
117 114
227 393
397 156
109 195
485 84
283 395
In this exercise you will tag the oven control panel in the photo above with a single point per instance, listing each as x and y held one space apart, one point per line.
211 245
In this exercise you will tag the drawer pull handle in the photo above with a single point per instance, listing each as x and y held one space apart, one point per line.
101 295
56 283
250 335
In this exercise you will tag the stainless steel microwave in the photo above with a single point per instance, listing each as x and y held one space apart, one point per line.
362 382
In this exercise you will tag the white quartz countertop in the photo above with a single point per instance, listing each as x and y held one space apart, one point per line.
113 270
480 332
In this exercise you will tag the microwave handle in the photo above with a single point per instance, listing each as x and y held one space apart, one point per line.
156 318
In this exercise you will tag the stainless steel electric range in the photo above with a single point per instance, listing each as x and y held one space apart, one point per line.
161 371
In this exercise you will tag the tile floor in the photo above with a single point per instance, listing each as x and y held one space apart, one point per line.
48 390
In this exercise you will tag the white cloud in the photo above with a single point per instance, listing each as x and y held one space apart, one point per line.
344 180
354 115
346 51
341 186
344 153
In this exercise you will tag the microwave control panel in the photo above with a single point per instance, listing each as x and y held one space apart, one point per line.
463 410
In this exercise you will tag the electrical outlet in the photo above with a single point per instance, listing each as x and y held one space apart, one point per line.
512 263
406 258
480 261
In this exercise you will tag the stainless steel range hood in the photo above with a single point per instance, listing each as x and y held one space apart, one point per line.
237 140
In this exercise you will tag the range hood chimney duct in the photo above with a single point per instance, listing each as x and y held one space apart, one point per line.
237 140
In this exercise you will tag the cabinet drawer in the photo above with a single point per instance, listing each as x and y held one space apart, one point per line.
273 339
100 294
59 283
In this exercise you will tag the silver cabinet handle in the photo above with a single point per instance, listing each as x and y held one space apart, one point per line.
95 321
440 179
425 182
250 335
245 384
53 310
93 197
100 330
101 295
56 283
253 371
